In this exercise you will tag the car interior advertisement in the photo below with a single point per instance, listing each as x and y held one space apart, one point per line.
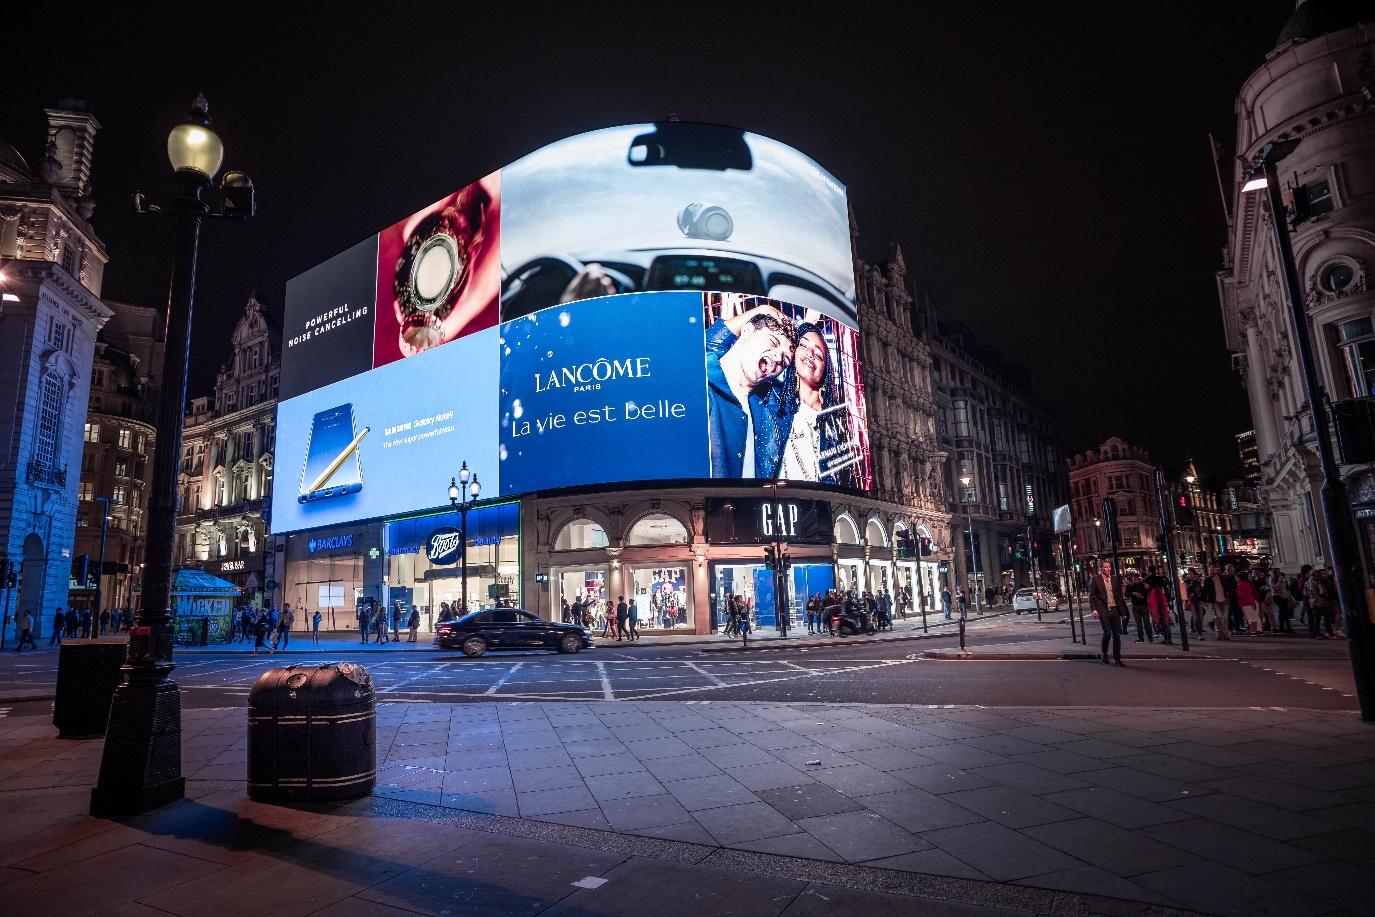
673 206
438 272
382 443
603 390
328 329
784 392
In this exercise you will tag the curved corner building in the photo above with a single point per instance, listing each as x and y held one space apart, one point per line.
644 344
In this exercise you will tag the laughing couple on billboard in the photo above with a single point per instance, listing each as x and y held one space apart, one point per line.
776 408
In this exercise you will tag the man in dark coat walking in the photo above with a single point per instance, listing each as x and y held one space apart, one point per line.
1107 600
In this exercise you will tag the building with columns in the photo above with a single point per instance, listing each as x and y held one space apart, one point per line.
227 463
1125 473
51 312
117 454
1315 86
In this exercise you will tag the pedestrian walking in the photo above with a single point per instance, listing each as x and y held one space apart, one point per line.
1248 602
363 619
632 621
1321 598
104 621
1158 604
396 623
261 628
379 622
1218 593
963 602
1136 593
622 615
1107 601
315 627
413 623
284 625
23 631
59 622
946 601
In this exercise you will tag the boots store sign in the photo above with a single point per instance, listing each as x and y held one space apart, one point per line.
444 546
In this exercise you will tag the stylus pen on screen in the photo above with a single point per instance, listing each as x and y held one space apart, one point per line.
339 460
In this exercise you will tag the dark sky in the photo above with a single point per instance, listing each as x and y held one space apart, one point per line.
1045 169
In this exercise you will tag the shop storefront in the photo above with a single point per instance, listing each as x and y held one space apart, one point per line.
331 570
424 561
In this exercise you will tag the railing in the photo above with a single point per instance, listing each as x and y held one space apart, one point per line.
46 476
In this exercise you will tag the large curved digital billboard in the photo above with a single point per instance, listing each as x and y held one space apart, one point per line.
651 302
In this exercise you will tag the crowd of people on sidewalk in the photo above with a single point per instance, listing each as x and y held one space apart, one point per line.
73 624
1224 602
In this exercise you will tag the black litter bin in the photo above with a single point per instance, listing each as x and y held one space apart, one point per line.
88 671
312 733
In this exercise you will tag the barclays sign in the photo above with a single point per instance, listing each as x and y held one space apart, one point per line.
444 546
330 543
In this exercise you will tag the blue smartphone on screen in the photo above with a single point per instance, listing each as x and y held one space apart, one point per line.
332 467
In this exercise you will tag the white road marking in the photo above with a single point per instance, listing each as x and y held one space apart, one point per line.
405 681
704 673
503 679
607 693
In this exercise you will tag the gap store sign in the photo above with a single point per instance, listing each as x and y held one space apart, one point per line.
653 302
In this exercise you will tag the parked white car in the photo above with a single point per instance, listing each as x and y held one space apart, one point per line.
1025 600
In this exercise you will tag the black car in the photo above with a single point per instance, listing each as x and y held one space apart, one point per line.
509 629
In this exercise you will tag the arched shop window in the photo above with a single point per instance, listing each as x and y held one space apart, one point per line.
657 529
874 534
580 534
846 532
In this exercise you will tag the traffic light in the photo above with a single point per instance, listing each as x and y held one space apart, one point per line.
1184 510
926 548
786 560
1021 548
770 558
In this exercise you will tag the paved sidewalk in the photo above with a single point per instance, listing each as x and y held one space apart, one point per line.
1217 811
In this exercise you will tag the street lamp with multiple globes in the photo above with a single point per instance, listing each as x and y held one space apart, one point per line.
140 768
1343 547
1198 525
462 494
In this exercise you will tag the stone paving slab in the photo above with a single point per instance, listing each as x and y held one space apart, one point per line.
1140 800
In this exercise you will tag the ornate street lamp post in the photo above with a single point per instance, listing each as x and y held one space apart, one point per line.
141 765
462 494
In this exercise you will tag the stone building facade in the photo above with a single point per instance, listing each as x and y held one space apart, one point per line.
1125 473
995 432
50 314
1316 86
117 454
227 463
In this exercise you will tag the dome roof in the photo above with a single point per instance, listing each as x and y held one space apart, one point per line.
12 158
1312 18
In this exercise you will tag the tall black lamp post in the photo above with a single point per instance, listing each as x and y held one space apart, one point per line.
968 483
1343 550
100 576
462 494
141 765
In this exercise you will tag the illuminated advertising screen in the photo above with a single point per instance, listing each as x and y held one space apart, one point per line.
383 443
651 302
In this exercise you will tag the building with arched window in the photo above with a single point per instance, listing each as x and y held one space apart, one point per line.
1315 87
50 314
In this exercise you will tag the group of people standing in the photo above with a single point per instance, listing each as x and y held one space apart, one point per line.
73 623
1259 602
1251 603
823 612
373 621
264 626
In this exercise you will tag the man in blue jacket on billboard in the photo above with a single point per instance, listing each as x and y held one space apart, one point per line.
736 376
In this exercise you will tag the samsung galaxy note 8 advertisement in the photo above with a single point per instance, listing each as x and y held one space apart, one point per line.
385 442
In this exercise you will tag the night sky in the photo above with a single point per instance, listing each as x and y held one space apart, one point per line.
1046 171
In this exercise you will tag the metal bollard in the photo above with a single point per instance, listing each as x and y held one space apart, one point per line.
961 633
